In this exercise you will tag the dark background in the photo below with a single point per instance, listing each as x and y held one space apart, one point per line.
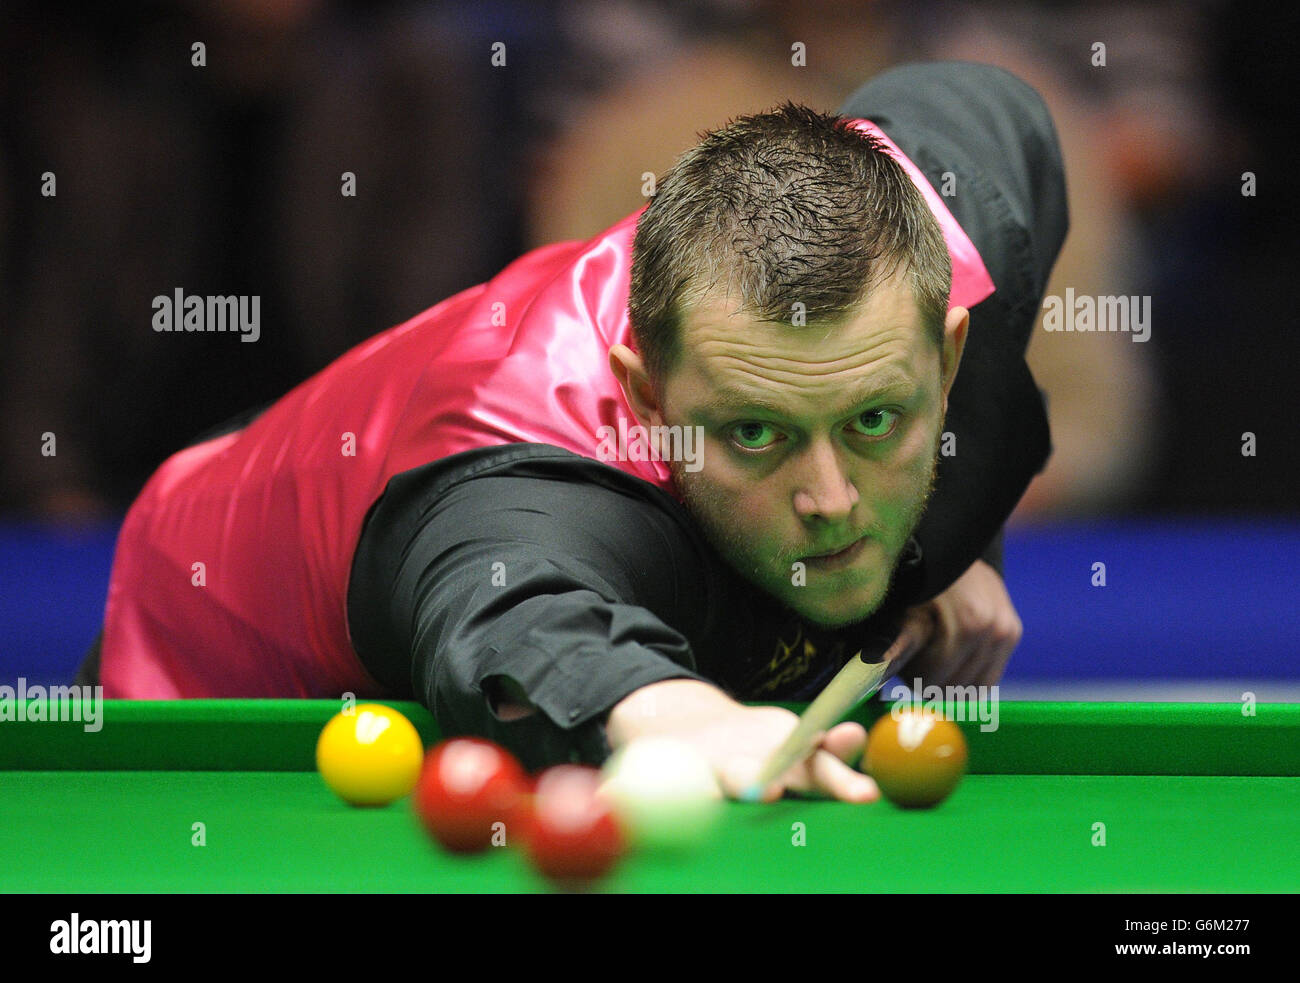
225 180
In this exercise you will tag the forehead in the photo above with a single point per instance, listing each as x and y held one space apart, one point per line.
728 357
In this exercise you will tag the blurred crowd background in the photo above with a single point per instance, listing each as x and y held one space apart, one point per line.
225 179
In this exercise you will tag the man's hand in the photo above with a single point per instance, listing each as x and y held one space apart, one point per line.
972 629
737 740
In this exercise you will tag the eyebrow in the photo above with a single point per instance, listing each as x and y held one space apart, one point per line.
734 399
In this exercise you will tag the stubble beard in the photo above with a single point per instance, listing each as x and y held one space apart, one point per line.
702 502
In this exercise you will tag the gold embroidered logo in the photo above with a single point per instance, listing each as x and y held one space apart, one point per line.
790 661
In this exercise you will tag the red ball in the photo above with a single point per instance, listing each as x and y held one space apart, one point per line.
466 787
574 837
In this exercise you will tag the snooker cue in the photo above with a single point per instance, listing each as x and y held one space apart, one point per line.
851 685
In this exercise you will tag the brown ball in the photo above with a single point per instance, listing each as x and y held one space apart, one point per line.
916 757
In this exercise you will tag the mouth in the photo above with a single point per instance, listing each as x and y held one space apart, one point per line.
839 558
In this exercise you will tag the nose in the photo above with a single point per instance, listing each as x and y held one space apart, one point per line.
824 490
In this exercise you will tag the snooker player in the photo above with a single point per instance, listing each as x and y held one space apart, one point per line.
462 510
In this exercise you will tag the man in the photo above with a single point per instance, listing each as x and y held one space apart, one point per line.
463 509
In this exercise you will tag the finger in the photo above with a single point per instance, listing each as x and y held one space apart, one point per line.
738 776
996 641
947 649
995 664
981 648
846 741
973 663
832 777
933 667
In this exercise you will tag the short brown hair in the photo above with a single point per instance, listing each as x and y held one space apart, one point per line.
783 207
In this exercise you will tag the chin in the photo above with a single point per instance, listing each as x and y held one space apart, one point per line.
839 617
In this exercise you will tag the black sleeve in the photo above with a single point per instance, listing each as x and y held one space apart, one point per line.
556 575
993 134
993 554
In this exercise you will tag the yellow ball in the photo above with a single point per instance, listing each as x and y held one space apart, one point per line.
370 756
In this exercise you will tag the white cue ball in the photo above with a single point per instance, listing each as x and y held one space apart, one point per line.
664 791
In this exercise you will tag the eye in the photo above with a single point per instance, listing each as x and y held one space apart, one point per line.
754 436
876 423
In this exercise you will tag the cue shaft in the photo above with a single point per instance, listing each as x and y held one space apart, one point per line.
851 685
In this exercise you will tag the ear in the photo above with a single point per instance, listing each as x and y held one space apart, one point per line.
630 371
954 343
